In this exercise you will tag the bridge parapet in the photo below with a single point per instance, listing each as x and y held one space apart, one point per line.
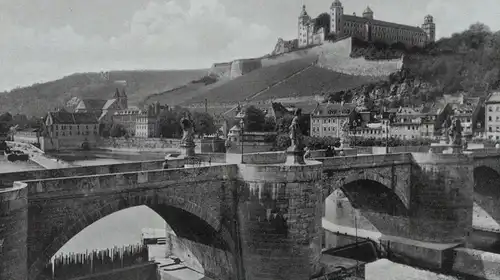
363 161
82 185
7 179
485 152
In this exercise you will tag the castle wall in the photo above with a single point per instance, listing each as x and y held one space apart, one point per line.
336 57
221 69
244 66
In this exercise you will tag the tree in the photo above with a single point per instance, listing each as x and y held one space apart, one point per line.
254 119
117 130
269 124
204 123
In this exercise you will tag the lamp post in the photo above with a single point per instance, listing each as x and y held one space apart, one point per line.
387 137
242 127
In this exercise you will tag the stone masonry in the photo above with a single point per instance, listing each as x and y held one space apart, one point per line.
261 219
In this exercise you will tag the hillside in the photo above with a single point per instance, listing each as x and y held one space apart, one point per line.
315 81
183 94
244 87
37 99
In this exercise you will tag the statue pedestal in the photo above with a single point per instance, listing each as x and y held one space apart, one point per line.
187 150
297 154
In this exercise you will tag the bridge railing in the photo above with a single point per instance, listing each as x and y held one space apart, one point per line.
69 266
484 152
120 181
7 179
364 160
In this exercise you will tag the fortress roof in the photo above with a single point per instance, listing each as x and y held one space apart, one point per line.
383 23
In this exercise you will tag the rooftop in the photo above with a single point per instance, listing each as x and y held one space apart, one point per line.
494 98
381 22
63 117
334 109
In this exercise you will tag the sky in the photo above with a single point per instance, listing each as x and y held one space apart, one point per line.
44 40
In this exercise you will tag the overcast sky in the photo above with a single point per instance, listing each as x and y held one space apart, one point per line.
42 40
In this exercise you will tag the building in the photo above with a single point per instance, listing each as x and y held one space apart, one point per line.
415 122
29 136
104 109
127 118
365 27
308 36
469 111
147 124
492 116
65 130
328 119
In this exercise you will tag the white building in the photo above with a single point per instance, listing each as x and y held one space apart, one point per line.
492 114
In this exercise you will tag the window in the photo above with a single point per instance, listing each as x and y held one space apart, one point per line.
489 118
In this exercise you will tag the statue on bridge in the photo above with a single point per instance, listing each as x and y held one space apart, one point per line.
297 145
344 133
187 130
455 132
187 141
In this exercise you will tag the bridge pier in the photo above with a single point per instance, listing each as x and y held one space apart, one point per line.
13 233
440 210
279 219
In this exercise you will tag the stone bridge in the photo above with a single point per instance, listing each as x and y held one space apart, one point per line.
257 220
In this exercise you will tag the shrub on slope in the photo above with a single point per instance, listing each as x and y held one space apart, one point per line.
315 80
245 86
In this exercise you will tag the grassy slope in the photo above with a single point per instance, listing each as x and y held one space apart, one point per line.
39 98
315 80
183 94
246 86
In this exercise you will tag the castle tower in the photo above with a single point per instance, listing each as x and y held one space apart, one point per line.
336 16
430 28
304 20
368 13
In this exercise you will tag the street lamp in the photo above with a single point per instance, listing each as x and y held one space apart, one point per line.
242 127
387 137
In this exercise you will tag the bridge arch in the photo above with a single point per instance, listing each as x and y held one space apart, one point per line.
189 220
364 202
371 195
338 180
486 192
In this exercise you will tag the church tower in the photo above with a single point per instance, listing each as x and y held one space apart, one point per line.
336 16
368 13
123 100
304 20
430 28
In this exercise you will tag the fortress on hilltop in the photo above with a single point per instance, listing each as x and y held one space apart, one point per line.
314 31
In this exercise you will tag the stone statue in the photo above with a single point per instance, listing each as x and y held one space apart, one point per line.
295 132
188 131
445 130
344 132
455 133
